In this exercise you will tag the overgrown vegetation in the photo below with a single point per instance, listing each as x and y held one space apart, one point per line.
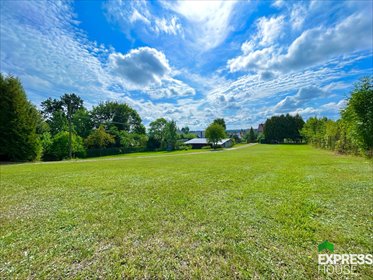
256 212
353 133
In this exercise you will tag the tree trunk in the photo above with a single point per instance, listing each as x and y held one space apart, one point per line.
70 130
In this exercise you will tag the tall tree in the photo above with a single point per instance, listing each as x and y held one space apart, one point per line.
157 132
82 122
251 138
170 135
18 122
72 103
58 112
358 114
215 133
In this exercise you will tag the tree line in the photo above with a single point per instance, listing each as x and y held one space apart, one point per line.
65 128
353 132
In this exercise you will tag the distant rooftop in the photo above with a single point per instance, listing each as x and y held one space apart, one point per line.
204 141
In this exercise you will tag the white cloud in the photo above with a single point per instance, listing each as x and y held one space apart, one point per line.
136 16
209 20
170 88
269 29
128 13
44 44
141 67
301 98
317 45
278 3
313 47
171 26
297 16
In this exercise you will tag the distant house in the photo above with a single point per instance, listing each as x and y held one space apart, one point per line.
198 143
199 133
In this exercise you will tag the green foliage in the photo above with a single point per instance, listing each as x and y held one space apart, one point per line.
122 116
182 146
188 136
57 122
185 130
82 122
170 135
58 112
215 133
46 142
19 120
131 140
99 138
353 133
358 115
260 138
59 148
220 122
279 128
251 137
157 129
162 134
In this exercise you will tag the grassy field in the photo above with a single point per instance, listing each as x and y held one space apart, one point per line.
255 212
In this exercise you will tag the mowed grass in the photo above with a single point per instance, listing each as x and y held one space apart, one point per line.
255 212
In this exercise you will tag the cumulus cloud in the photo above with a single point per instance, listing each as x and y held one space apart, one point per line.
170 88
148 70
313 47
141 67
319 44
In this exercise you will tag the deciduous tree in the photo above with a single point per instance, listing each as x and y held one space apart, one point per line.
215 133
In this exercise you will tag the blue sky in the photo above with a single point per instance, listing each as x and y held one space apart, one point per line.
192 61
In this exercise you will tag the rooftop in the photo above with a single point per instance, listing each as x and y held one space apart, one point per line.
204 141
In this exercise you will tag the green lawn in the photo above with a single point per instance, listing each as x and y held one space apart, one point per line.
253 212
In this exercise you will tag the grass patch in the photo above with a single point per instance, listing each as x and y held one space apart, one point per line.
252 212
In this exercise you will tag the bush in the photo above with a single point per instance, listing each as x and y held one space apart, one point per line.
59 148
182 146
206 148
